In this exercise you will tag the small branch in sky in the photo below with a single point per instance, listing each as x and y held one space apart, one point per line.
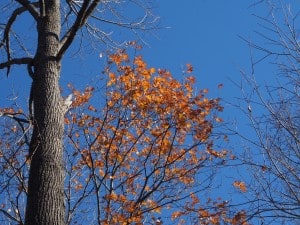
83 14
6 35
30 7
16 61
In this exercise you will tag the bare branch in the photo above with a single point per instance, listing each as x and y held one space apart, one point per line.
6 38
30 7
273 151
13 116
9 216
86 10
17 61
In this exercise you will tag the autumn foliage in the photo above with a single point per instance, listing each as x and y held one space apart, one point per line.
138 149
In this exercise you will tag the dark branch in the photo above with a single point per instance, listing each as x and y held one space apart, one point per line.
13 116
21 121
12 19
29 69
9 216
17 61
84 13
6 39
30 8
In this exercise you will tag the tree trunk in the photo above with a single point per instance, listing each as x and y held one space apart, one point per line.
45 203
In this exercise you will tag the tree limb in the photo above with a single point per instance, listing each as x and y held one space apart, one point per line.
6 40
30 8
84 13
16 61
9 216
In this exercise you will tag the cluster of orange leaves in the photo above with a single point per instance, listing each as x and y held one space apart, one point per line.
206 217
153 133
240 185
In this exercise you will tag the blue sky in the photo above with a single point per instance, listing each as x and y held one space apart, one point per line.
204 33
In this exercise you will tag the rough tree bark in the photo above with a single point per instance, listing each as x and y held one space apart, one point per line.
45 204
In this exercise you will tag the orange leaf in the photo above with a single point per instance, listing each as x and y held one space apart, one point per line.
189 68
240 185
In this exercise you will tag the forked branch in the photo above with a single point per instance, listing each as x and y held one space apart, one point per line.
16 61
86 10
30 7
5 42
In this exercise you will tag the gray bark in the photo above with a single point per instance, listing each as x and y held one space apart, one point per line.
45 203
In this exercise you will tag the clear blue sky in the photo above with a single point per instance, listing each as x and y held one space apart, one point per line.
205 33
202 32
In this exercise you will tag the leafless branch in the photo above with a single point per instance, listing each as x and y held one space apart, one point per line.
6 36
86 10
30 7
16 61
9 216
